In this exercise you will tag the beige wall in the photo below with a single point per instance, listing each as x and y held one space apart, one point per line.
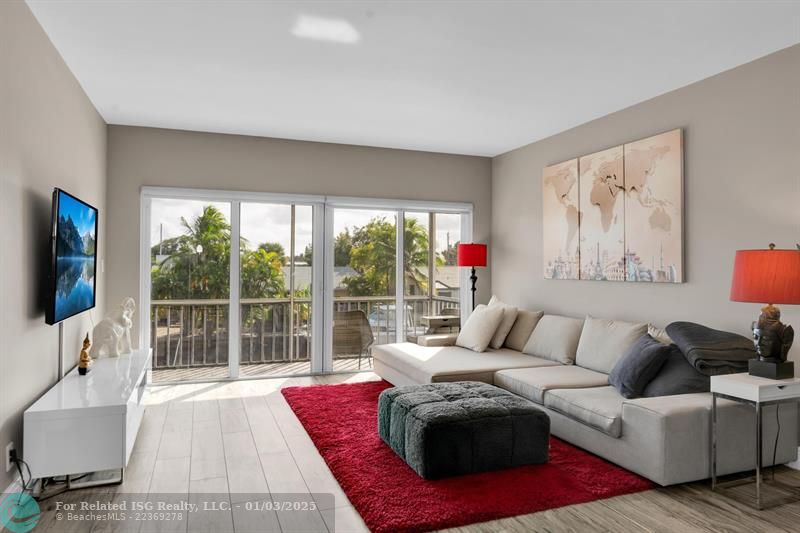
742 190
170 158
50 135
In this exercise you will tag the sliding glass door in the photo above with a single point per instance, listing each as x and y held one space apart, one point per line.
432 283
276 257
311 285
190 247
364 307
385 288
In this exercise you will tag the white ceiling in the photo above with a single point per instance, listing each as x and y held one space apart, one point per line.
463 77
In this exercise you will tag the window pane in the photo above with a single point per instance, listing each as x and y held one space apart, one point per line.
275 289
364 251
190 286
416 269
446 274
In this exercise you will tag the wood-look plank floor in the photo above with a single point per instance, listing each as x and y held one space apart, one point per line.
254 370
242 437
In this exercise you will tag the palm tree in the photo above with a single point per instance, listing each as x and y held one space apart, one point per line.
198 265
415 256
373 257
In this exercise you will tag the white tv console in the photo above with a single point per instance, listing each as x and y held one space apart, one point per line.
88 423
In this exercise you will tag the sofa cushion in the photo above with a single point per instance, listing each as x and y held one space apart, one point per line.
532 383
596 407
676 376
555 338
603 342
521 330
638 366
427 364
479 329
507 322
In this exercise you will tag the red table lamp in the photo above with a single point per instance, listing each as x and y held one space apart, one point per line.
471 255
772 277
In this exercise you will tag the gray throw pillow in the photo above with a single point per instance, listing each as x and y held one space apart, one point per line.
677 376
638 366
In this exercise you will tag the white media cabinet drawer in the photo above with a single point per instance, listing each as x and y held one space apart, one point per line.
88 423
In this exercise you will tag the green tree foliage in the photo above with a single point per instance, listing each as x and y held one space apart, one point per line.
262 274
372 256
197 263
307 255
450 255
343 248
277 248
342 245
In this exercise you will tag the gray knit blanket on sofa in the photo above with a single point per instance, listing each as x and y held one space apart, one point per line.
710 351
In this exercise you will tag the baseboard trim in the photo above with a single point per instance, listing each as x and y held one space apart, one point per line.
796 463
15 486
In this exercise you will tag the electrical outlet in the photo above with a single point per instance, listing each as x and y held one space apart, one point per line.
9 448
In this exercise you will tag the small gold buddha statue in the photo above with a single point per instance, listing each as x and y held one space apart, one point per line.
86 359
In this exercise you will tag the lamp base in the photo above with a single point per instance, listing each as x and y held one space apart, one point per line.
770 370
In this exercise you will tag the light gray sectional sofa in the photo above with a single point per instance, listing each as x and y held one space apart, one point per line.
563 363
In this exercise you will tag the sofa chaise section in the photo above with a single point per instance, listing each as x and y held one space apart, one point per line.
666 439
409 364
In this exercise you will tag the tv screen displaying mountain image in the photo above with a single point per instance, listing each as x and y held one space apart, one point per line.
74 255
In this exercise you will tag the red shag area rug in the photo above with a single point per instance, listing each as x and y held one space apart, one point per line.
342 422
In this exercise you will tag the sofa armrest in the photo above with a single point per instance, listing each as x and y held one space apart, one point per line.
438 339
678 427
682 424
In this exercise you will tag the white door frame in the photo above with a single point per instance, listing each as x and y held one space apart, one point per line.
322 266
234 293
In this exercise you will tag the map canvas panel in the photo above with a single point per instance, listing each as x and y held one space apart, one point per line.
654 208
560 220
602 207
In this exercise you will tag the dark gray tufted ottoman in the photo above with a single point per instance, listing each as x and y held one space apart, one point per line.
448 429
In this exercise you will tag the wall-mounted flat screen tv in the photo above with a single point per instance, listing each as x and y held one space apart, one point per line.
73 257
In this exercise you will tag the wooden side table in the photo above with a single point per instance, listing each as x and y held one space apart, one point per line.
758 392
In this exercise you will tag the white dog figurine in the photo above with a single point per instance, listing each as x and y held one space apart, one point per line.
112 335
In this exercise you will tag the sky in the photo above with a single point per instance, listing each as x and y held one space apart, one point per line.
83 217
272 222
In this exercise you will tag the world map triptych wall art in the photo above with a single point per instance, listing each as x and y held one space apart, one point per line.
617 214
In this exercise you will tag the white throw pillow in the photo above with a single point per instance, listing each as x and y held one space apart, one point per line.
523 328
477 333
604 342
509 317
555 338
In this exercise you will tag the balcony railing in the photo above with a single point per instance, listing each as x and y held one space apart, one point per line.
194 333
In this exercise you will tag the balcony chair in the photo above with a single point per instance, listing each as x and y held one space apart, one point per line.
352 334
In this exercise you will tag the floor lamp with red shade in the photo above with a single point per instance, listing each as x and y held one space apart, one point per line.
471 255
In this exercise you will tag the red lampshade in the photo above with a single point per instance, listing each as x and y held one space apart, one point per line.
766 276
471 255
